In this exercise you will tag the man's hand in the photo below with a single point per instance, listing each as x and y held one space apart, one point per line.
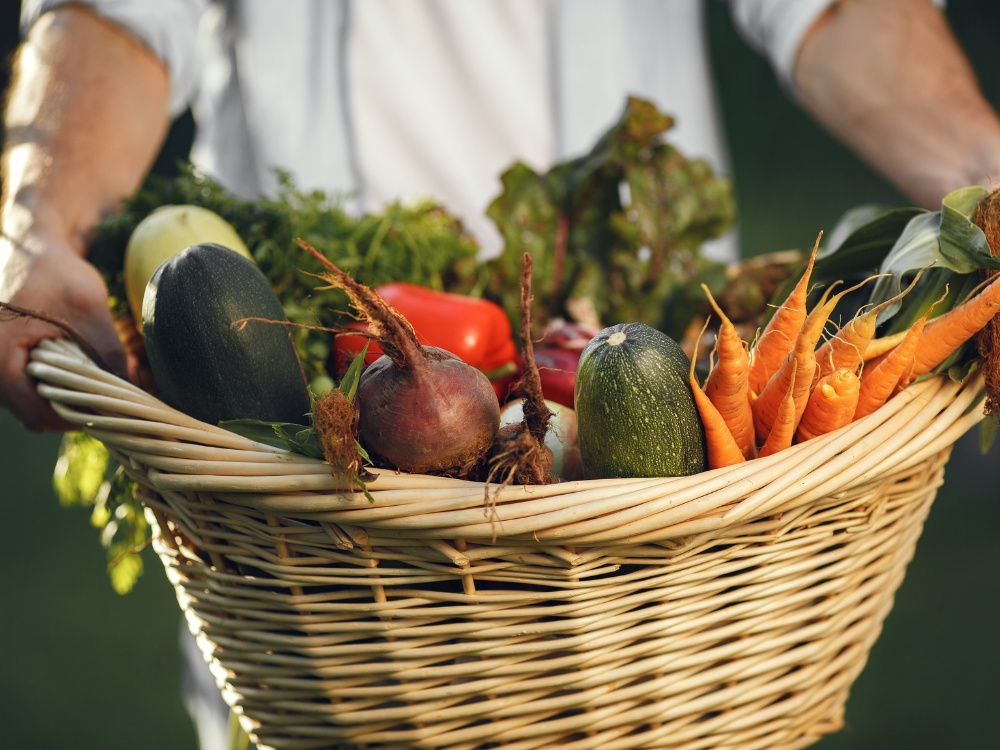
44 276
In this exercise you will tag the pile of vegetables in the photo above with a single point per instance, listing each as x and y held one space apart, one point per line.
580 352
804 375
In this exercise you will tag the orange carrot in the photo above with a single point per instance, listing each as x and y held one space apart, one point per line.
803 354
947 332
783 431
847 348
720 448
727 385
880 382
778 336
831 405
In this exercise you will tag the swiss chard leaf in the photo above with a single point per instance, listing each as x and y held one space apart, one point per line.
614 234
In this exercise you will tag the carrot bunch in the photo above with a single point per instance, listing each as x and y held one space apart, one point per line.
791 385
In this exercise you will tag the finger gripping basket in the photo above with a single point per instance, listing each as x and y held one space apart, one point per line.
731 609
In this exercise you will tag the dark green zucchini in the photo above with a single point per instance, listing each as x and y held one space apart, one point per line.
201 363
636 416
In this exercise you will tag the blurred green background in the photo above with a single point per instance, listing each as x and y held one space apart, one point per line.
81 667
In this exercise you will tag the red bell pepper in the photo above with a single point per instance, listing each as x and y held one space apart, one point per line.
475 330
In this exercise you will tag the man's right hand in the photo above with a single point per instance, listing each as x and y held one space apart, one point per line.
40 274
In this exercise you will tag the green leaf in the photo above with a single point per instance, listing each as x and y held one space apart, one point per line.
946 241
86 475
349 383
964 247
854 249
126 533
860 241
82 466
285 435
917 248
945 247
257 430
527 216
363 453
125 572
300 440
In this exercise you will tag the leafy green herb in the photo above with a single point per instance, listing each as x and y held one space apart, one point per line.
420 243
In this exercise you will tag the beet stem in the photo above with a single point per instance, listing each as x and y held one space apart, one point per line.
392 331
536 413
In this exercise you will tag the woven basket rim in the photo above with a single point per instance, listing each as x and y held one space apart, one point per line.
735 606
177 453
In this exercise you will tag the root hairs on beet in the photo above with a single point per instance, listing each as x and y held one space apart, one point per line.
334 419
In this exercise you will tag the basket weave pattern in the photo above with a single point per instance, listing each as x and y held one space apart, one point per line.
731 609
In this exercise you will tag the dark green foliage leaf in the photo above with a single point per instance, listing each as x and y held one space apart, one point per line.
306 440
854 249
963 245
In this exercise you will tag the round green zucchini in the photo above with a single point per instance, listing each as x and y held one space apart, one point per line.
201 363
636 416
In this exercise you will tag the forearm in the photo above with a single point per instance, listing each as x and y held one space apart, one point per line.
889 80
86 114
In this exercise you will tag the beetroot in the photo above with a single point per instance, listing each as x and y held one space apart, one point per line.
426 411
420 408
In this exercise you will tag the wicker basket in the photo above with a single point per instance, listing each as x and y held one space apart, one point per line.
732 609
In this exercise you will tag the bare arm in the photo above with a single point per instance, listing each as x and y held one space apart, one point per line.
889 80
85 117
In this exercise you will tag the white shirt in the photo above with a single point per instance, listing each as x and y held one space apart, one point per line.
403 99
